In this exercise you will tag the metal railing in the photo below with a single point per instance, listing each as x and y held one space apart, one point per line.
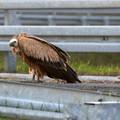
37 4
65 17
69 38
102 39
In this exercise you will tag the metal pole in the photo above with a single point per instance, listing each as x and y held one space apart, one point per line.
10 60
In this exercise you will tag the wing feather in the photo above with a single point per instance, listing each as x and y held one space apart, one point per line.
62 53
43 51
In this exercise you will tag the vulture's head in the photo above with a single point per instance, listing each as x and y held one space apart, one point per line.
14 43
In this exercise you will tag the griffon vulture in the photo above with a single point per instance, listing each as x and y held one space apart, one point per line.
43 58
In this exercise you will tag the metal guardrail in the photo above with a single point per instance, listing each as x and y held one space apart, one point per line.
78 11
68 20
86 31
69 38
78 46
10 18
65 17
37 4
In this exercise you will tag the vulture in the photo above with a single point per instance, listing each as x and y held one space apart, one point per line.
43 58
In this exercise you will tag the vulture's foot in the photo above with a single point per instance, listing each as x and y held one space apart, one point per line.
39 81
29 81
59 81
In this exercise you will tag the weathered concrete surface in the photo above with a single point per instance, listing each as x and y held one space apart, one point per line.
102 111
95 112
28 114
49 91
31 104
79 101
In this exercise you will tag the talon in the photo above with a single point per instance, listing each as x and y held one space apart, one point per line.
39 81
28 81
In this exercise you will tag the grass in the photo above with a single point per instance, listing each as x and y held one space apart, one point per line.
96 64
22 67
4 118
84 63
1 61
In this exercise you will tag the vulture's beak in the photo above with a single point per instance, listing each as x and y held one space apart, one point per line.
12 42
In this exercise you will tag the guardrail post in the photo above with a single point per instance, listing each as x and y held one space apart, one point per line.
50 20
10 18
106 20
84 22
10 60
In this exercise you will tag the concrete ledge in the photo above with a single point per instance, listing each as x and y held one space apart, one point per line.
82 77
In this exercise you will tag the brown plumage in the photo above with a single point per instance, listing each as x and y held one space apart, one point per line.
43 57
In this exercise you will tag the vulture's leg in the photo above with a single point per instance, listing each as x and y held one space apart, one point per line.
31 81
33 77
39 79
33 72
